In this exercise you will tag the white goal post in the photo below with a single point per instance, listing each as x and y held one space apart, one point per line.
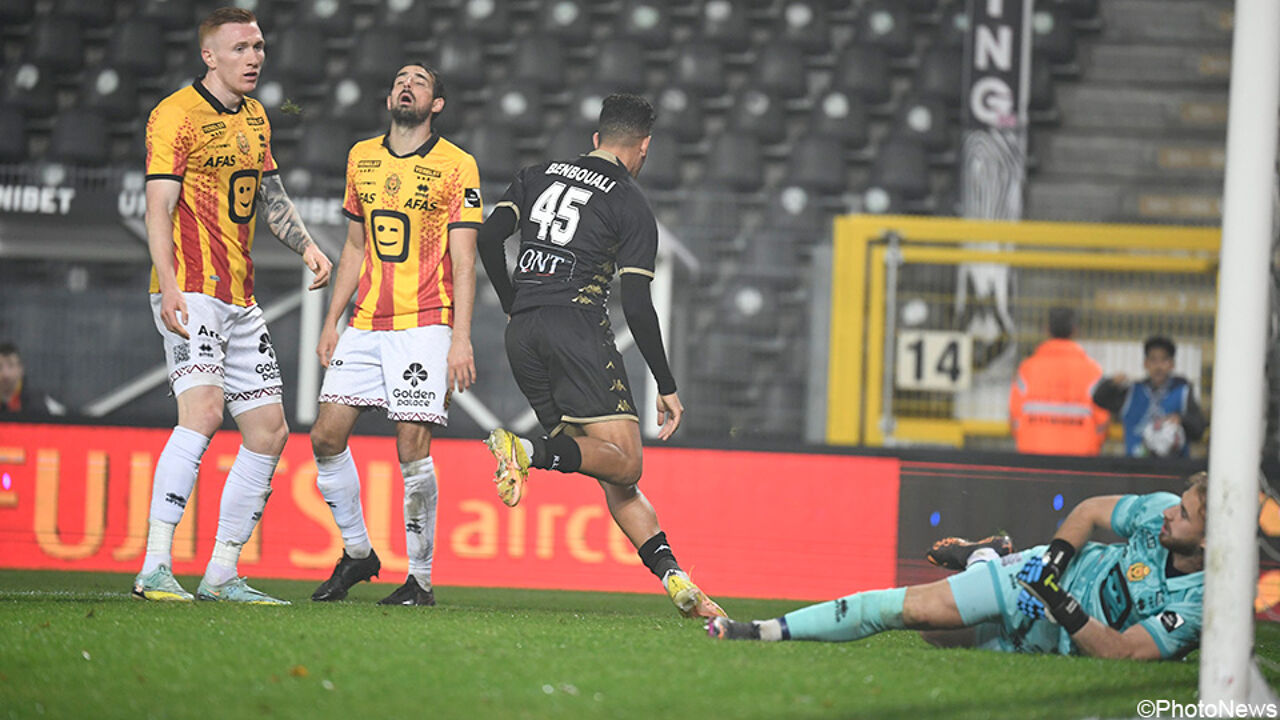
1227 672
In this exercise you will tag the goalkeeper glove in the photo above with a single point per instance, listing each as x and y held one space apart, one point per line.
1042 582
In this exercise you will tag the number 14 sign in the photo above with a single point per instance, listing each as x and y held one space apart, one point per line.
933 360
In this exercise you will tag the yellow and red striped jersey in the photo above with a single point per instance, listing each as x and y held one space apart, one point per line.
219 156
408 205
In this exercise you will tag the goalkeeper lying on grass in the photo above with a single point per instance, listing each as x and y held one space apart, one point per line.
1137 599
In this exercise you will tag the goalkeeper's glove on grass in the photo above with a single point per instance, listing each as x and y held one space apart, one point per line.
1042 580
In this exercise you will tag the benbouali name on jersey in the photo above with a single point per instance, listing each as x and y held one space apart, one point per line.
587 177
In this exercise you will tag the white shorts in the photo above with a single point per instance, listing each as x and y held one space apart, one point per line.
229 347
404 371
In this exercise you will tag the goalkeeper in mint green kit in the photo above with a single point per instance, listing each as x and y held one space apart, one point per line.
1137 599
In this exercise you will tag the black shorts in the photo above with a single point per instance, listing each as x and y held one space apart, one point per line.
566 364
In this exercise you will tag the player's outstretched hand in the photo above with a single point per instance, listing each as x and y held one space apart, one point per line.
1042 578
669 413
173 311
328 341
462 365
319 264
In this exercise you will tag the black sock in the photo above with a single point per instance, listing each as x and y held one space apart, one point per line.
559 453
657 556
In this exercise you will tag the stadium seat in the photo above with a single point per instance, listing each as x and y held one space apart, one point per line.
486 19
619 64
795 210
708 219
323 147
755 113
863 70
538 60
724 24
939 74
805 25
679 116
461 61
270 93
415 17
1043 101
647 21
1081 11
1055 38
843 116
567 21
56 44
377 54
90 14
264 10
298 58
887 25
927 121
771 251
953 27
735 163
516 106
699 69
30 90
818 163
111 91
17 12
360 105
494 149
584 108
923 7
174 15
133 47
661 166
568 142
79 138
13 135
901 167
779 70
332 18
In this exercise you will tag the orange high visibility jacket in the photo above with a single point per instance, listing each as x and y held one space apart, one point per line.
1051 410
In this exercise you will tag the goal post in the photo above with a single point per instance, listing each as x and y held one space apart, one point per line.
897 297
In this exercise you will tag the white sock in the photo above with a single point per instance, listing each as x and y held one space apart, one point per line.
770 630
175 478
159 546
528 447
420 497
981 555
339 483
243 498
222 566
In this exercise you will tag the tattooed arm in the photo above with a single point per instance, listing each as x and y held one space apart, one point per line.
283 219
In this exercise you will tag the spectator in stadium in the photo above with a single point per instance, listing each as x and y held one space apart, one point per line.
1160 415
1138 599
1051 410
580 222
209 167
18 398
406 350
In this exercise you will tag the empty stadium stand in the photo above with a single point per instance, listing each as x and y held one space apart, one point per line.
774 115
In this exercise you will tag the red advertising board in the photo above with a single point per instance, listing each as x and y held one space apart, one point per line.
746 524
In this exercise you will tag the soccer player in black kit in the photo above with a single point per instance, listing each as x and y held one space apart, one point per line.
580 222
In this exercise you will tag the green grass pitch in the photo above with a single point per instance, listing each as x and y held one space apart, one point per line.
75 645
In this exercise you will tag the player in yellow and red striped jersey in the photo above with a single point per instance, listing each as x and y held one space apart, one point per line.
413 199
209 168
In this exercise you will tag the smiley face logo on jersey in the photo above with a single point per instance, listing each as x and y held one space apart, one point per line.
390 230
241 196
